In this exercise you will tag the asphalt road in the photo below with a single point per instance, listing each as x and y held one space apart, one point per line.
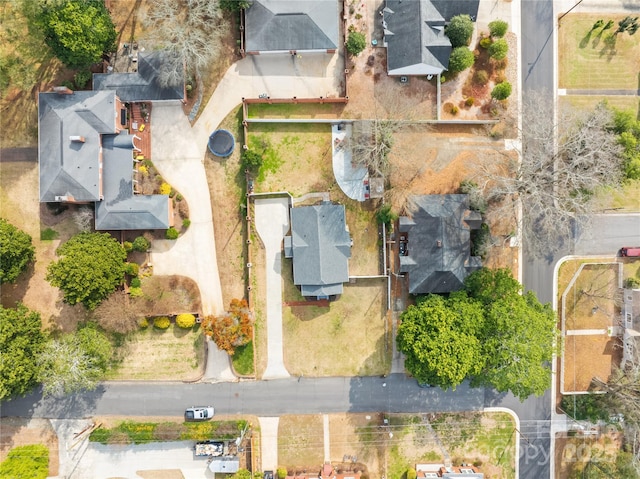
537 75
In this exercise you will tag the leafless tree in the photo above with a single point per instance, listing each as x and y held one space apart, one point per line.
83 218
560 168
372 139
117 314
189 30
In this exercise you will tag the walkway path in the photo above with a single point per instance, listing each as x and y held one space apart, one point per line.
269 443
272 223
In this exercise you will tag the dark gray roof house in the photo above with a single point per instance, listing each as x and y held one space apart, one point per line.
414 34
320 246
286 26
144 85
70 129
86 156
437 237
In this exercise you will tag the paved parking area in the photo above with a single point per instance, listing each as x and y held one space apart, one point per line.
126 461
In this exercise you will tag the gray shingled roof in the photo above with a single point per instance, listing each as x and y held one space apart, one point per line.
321 248
121 209
69 168
437 267
284 25
142 85
414 34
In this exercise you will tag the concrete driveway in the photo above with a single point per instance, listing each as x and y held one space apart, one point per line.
272 223
279 76
125 461
178 153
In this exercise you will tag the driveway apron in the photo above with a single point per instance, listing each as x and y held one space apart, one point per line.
272 223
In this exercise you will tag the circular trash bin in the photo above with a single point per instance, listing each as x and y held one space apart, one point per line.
221 143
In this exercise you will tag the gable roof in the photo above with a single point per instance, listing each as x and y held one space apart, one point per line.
285 25
71 169
321 248
143 85
414 34
121 209
438 242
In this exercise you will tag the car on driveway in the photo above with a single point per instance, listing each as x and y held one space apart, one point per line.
198 413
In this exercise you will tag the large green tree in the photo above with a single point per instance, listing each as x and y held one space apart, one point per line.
75 362
21 339
518 345
490 333
439 338
78 31
91 266
16 251
459 30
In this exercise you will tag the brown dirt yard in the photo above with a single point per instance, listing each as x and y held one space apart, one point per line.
573 454
593 300
362 442
586 357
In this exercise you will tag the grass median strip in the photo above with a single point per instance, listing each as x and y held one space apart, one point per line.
129 432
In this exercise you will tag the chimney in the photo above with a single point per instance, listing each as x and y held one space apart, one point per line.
76 139
63 90
439 243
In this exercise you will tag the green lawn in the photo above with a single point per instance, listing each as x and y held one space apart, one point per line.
345 339
597 59
294 110
296 157
625 199
621 102
151 354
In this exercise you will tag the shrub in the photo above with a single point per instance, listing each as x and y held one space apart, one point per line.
172 233
501 91
48 234
459 30
165 189
411 473
443 79
143 323
498 49
82 78
161 322
356 43
30 461
470 101
251 159
135 282
144 170
141 244
598 24
186 223
128 246
500 78
179 197
481 241
460 59
385 215
454 110
281 472
481 77
498 28
132 269
477 201
632 283
185 320
135 292
486 42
